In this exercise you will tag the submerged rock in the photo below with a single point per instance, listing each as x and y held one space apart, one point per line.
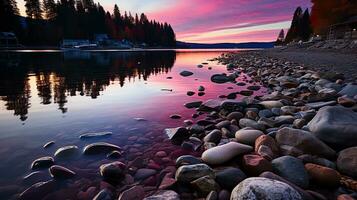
43 162
95 135
258 188
67 152
223 153
48 144
177 135
60 172
194 104
100 147
186 73
113 172
220 78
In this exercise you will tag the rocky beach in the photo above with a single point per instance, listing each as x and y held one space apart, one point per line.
291 134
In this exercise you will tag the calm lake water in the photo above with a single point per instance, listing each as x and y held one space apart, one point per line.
47 96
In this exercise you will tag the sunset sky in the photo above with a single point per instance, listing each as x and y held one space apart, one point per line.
212 21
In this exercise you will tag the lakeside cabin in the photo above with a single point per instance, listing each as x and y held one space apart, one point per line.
8 39
346 30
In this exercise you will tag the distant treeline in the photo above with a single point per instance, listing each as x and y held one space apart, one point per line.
324 13
48 22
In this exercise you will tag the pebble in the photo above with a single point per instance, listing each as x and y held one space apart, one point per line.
60 172
100 147
43 162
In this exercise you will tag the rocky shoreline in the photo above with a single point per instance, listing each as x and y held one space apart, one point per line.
298 141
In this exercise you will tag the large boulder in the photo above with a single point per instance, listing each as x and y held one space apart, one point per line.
347 162
292 169
303 141
335 125
223 153
257 188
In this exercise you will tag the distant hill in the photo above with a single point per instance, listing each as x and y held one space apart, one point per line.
246 45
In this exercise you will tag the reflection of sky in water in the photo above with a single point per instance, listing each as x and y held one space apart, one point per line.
112 110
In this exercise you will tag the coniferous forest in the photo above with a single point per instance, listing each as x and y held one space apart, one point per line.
49 22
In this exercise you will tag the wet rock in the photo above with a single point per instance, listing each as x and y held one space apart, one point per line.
136 192
303 141
164 195
335 125
167 182
271 104
322 175
144 173
257 188
244 122
347 162
232 95
223 153
95 135
235 115
291 169
192 143
114 155
267 141
43 162
201 94
194 104
175 116
201 88
205 185
346 101
187 160
349 90
188 173
213 136
210 105
222 124
190 93
188 122
67 152
48 144
255 164
36 177
306 158
253 87
38 190
113 172
60 172
246 93
220 78
104 194
100 147
248 136
199 66
186 73
177 135
229 177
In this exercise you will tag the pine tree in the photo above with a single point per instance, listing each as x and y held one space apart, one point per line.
33 9
9 20
50 9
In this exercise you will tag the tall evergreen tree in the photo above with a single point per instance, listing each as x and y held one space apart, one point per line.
50 9
9 15
33 9
306 29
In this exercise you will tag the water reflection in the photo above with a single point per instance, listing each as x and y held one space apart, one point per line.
59 75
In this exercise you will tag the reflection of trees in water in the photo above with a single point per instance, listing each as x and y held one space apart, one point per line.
60 75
